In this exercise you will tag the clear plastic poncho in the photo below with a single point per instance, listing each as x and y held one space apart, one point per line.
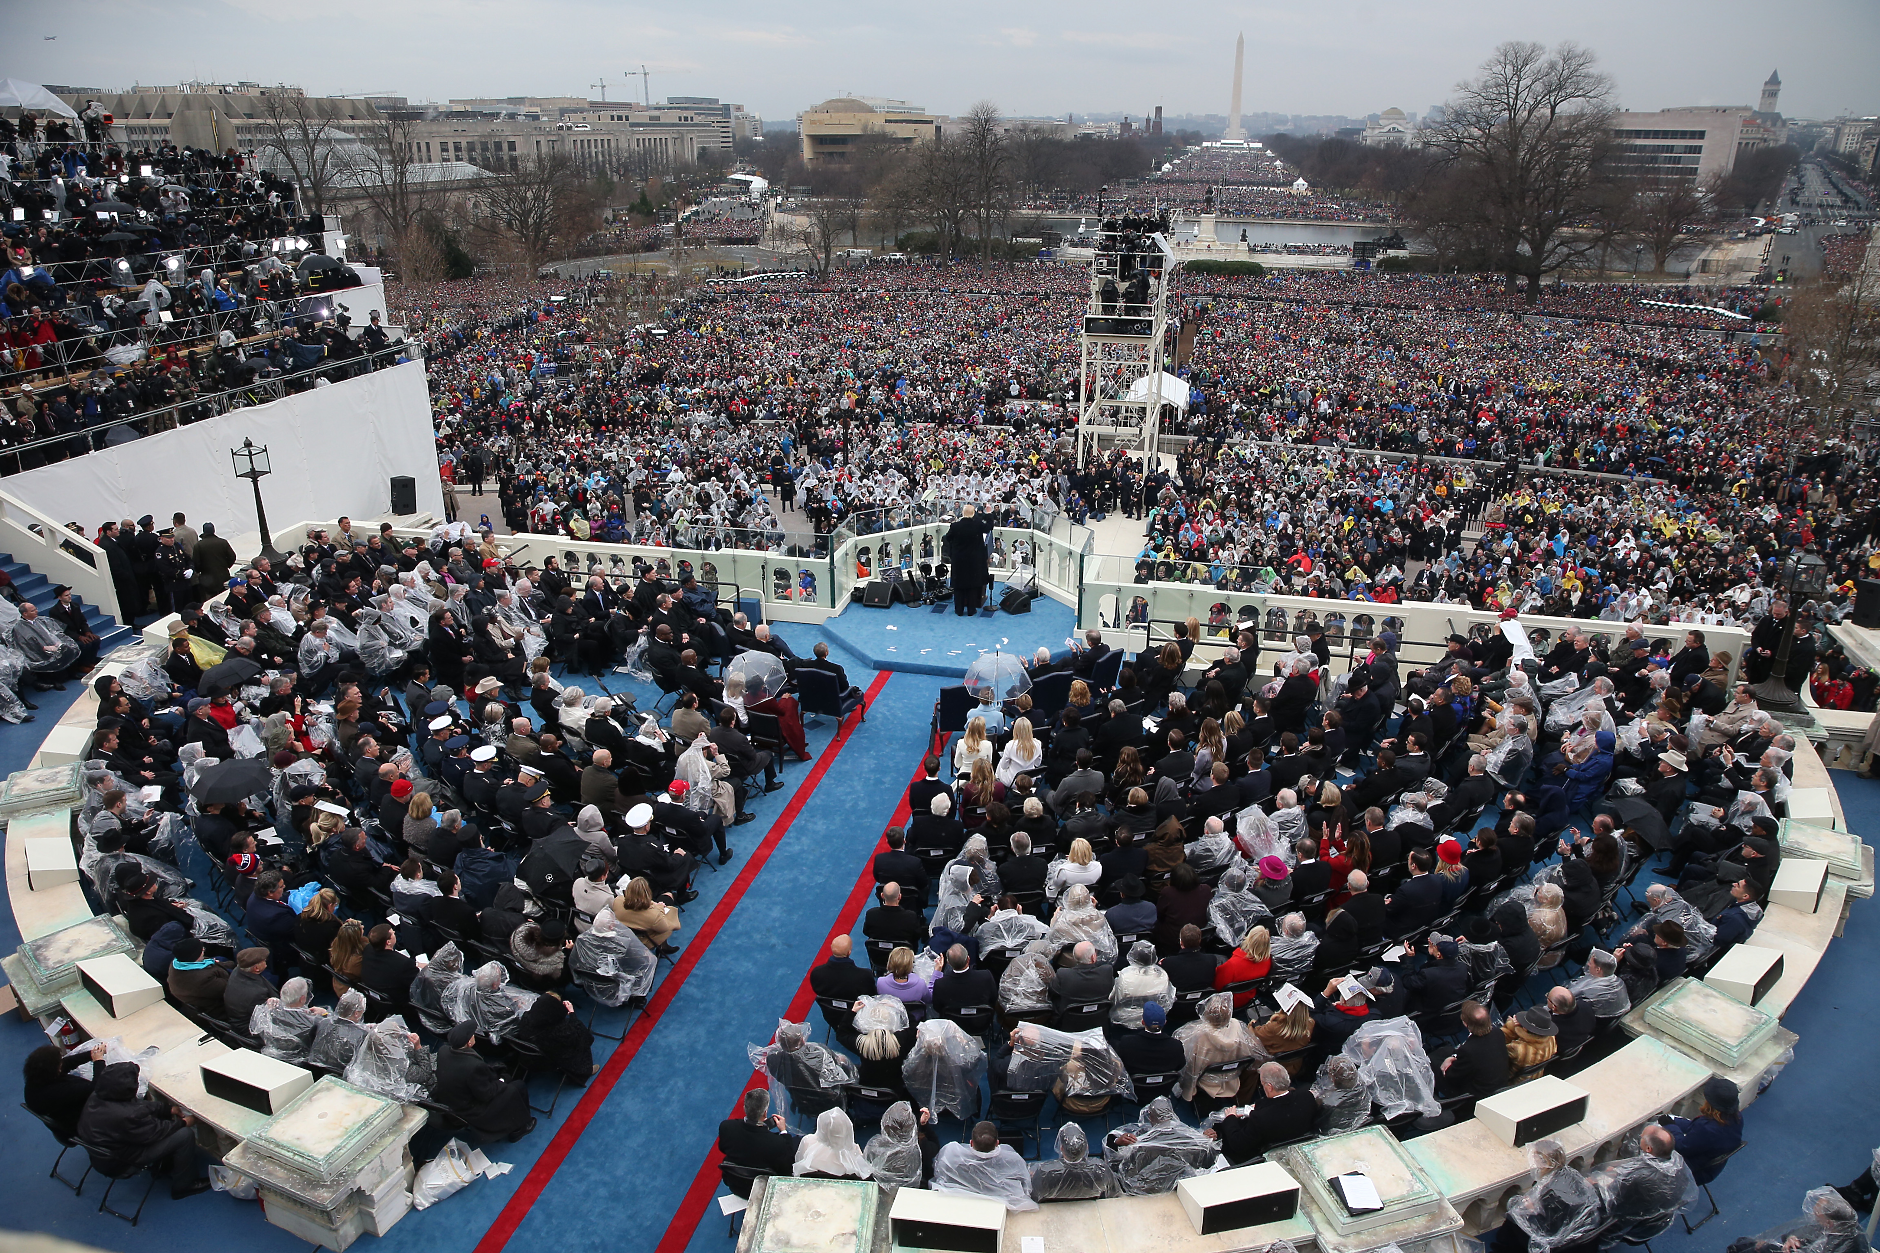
1025 987
956 896
1699 932
1643 1194
1072 1176
285 1024
880 1013
1215 1036
45 647
999 1174
1343 1096
695 769
146 679
389 1064
1259 836
1078 919
610 963
487 1002
1137 984
1083 1060
1234 909
1389 1054
943 1068
1414 807
1293 955
975 854
336 1040
1210 852
894 1153
791 1060
1009 929
427 994
831 1149
1605 993
376 648
1828 1225
1563 1208
1165 1152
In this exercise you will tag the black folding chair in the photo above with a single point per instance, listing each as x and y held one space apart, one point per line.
1086 1016
878 952
1019 1108
101 1162
1718 1162
66 1145
535 1061
974 1020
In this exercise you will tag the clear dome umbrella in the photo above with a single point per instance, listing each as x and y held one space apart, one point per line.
997 676
762 673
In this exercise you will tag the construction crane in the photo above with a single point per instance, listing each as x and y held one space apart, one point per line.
646 92
603 86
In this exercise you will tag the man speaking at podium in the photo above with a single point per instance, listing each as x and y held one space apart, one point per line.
967 544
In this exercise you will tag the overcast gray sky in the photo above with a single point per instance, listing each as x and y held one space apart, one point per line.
1328 56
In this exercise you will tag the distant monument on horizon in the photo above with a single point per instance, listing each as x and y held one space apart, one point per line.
1235 131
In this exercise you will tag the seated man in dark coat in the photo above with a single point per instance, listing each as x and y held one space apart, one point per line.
841 981
1480 1067
471 1088
897 865
1282 1113
760 1140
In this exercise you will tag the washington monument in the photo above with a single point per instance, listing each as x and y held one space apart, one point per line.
1234 129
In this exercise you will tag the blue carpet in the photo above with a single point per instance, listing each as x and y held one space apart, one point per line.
912 640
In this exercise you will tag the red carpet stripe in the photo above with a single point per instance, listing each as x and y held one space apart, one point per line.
698 1197
597 1091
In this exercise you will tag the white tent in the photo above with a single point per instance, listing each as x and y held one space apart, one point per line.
23 95
1174 391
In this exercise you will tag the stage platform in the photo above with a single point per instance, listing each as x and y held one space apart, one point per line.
913 640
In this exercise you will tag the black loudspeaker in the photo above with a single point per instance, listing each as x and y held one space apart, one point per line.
877 595
1014 601
1867 603
404 494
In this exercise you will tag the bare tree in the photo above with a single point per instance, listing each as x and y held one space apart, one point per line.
1532 133
988 161
304 135
1664 212
943 182
538 206
403 205
819 228
1832 333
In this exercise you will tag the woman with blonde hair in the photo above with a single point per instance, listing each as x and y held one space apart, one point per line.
1080 695
1210 747
1286 1032
652 921
1251 959
973 746
420 822
346 955
318 923
1079 866
1023 753
901 981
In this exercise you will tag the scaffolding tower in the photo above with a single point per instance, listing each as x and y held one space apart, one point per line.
1125 323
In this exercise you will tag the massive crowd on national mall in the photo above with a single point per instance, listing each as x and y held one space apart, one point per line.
1236 893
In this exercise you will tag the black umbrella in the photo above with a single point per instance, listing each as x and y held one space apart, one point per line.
222 679
1643 817
113 206
232 780
318 261
119 237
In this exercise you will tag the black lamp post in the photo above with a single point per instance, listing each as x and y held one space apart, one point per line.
251 463
1804 577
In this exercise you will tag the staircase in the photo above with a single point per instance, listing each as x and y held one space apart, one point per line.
38 589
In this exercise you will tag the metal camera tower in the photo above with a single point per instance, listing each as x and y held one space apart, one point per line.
1120 384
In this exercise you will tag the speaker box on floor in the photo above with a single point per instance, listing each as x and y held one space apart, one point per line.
1015 601
404 494
876 595
1867 603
